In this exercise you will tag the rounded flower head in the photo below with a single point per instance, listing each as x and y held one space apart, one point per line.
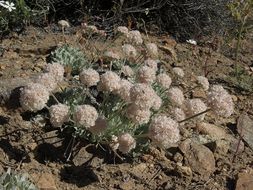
111 55
178 114
151 63
178 71
163 131
157 103
126 143
124 90
152 49
59 114
146 75
135 37
127 71
220 101
47 80
203 81
85 115
89 77
34 97
176 96
122 30
129 51
110 81
57 71
195 106
164 80
142 95
137 115
99 127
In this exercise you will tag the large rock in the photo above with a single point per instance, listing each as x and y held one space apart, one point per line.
213 131
223 140
198 157
245 129
245 181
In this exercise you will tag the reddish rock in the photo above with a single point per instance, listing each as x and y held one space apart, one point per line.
198 157
245 181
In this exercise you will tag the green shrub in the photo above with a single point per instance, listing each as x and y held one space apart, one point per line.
70 57
13 181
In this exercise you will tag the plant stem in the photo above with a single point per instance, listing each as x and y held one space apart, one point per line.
238 45
203 112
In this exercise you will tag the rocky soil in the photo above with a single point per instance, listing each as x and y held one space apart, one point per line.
213 155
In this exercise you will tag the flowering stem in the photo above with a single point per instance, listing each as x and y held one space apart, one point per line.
141 136
55 98
203 112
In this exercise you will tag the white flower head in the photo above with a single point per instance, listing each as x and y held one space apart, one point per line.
129 51
89 77
142 95
178 114
58 114
135 37
152 49
34 97
85 115
191 41
122 30
137 115
47 80
146 74
126 143
110 81
57 70
151 63
220 101
176 96
164 80
195 106
203 81
178 71
124 90
164 131
127 71
8 5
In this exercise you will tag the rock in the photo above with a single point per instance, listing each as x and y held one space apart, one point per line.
139 169
213 131
169 50
184 170
7 86
178 157
199 93
128 185
221 146
44 181
245 129
198 157
244 181
236 145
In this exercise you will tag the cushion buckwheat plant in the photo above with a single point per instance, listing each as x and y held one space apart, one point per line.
125 106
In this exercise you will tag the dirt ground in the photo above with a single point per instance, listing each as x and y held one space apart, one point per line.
29 144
